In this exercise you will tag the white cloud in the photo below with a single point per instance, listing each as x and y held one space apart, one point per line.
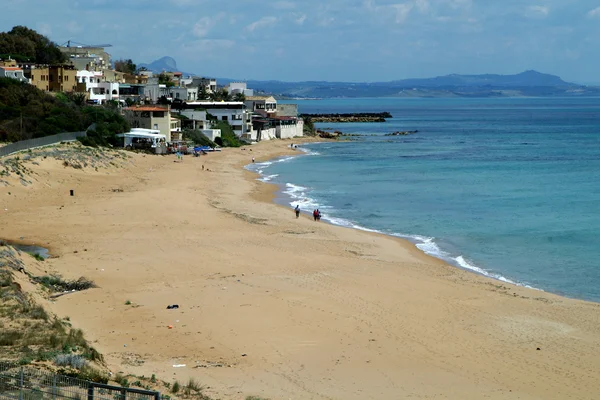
402 11
422 5
595 13
261 23
44 29
203 26
299 19
537 11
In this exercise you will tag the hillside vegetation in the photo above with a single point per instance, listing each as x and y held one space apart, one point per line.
26 112
26 45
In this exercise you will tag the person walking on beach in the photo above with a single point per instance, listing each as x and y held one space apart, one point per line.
315 214
297 210
252 159
318 215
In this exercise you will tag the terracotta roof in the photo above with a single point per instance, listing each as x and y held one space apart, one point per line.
11 68
147 108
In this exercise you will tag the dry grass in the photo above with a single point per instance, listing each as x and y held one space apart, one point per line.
28 333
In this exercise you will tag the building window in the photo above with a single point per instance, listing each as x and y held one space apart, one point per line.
224 117
156 126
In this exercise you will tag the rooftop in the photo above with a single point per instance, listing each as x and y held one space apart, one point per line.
147 108
259 97
11 68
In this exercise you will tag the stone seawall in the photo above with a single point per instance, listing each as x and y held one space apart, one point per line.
354 117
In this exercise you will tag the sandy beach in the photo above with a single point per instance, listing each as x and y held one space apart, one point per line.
279 307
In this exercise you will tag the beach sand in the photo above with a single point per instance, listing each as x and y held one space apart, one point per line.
281 307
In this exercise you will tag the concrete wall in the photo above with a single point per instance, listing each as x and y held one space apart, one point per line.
212 134
287 110
266 134
38 142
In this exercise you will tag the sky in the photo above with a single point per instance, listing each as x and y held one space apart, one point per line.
334 40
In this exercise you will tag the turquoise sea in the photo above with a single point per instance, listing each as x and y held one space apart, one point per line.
508 188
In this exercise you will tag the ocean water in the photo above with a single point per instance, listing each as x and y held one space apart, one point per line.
508 188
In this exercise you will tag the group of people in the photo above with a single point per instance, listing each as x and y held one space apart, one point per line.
316 213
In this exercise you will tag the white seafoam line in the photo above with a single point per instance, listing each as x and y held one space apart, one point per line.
299 195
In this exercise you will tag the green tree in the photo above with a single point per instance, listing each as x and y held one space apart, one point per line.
197 137
239 97
26 112
228 136
220 95
165 79
126 66
309 126
203 93
24 44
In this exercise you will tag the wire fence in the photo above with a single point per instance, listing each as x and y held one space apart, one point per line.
38 142
26 383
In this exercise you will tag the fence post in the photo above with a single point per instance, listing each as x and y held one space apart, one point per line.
157 396
90 395
21 379
123 394
54 387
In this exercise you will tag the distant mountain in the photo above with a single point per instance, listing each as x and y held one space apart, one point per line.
528 83
527 78
164 64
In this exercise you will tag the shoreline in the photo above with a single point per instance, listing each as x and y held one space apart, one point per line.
285 307
279 189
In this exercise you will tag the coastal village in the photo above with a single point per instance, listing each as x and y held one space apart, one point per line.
160 106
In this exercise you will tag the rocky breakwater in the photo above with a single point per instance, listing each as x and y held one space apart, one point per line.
354 117
401 133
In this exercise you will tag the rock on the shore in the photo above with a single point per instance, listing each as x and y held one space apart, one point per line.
401 133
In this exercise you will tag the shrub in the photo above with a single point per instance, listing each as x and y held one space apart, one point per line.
9 337
175 388
70 360
194 385
198 138
228 137
37 256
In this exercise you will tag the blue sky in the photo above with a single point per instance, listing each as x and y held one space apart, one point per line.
348 40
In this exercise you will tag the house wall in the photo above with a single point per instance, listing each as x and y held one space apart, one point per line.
212 134
157 120
113 76
103 91
268 134
287 131
234 117
38 77
287 110
13 74
62 78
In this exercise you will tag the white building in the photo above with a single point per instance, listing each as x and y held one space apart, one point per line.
209 84
264 105
239 88
232 112
13 73
180 93
98 91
